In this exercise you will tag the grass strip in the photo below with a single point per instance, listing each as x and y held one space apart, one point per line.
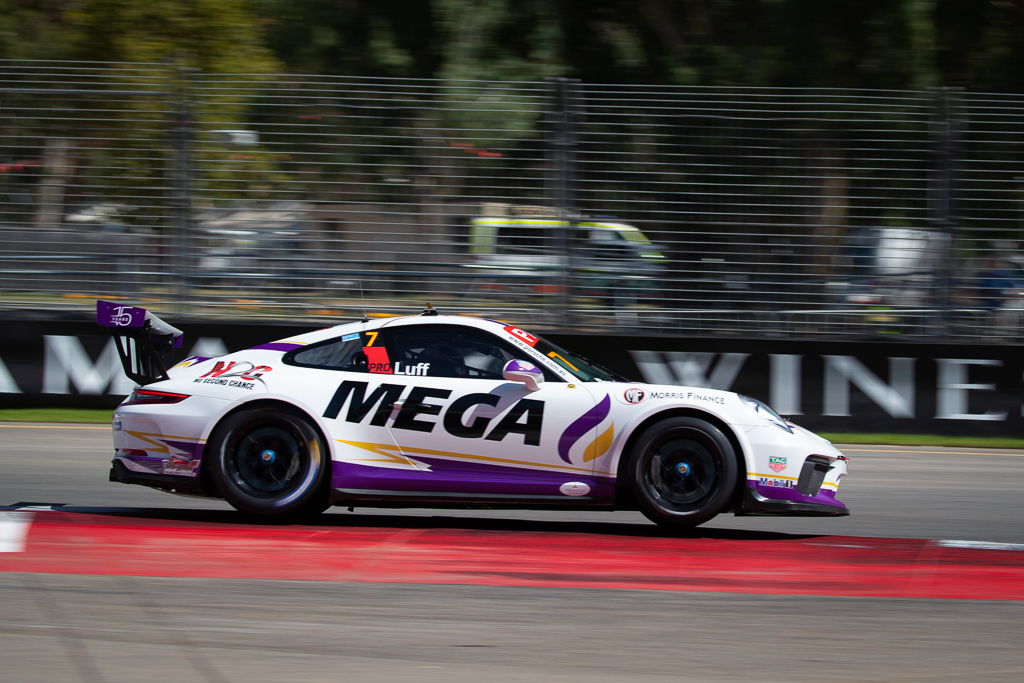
926 440
73 415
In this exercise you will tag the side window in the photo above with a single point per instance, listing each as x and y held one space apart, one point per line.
524 238
448 351
345 353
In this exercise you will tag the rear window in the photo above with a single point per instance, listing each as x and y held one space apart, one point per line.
342 353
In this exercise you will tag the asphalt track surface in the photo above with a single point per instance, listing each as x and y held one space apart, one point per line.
107 582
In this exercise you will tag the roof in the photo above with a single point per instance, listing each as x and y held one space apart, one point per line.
493 326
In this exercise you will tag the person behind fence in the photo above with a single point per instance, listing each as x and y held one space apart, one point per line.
1001 291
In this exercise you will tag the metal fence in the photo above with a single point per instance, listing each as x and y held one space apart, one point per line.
559 204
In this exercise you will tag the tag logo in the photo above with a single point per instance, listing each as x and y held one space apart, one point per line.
776 463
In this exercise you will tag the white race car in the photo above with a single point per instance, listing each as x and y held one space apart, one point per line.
449 411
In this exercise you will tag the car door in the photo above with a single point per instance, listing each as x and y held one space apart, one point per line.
466 432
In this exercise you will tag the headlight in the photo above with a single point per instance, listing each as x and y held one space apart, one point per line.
765 411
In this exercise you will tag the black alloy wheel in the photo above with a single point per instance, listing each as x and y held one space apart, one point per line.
270 463
683 472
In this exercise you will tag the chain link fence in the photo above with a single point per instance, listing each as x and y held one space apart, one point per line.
557 204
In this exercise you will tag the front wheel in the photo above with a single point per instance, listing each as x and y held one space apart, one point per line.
270 463
683 472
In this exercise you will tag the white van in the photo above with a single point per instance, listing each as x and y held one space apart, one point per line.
600 256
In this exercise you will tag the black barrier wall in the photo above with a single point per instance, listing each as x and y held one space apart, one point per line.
827 386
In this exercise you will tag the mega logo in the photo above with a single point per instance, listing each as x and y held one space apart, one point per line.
525 417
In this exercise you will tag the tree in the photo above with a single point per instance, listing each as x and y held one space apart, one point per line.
215 36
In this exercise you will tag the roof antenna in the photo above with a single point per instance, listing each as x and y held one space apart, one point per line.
362 299
429 310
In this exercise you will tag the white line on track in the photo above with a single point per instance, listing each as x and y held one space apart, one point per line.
13 530
910 451
980 545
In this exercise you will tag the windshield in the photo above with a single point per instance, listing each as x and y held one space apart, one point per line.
581 368
635 236
646 247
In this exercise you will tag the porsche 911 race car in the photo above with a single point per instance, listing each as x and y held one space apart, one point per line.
448 411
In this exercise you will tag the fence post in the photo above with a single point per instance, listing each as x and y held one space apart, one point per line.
562 187
181 134
947 132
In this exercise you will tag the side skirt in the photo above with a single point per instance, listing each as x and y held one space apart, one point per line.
432 499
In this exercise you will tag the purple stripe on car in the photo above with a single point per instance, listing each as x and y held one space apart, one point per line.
147 460
194 450
583 424
459 477
277 346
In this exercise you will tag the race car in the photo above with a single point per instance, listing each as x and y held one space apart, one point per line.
448 411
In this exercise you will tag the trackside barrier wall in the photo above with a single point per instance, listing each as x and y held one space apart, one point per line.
954 389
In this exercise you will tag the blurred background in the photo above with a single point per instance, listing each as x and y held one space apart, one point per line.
791 168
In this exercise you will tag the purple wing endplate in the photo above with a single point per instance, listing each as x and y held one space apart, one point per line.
110 314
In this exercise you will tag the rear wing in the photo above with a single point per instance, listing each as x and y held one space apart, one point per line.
143 340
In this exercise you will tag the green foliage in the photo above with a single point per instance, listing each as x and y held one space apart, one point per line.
352 37
900 44
510 40
171 46
31 30
215 36
153 52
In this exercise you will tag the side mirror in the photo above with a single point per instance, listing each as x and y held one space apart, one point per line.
524 372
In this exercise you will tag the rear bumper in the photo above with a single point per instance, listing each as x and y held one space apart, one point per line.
165 482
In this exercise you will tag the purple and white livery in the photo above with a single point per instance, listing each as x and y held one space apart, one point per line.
450 411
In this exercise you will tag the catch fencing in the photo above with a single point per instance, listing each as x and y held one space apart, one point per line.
713 211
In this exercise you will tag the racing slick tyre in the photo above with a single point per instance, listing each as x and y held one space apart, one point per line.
271 463
683 472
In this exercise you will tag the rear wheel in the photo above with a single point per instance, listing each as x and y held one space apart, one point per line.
683 472
270 463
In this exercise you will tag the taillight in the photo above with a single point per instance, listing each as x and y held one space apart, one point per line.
151 397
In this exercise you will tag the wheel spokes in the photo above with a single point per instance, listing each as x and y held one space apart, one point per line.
682 472
266 460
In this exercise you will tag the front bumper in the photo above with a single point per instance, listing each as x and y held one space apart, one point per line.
755 504
812 493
